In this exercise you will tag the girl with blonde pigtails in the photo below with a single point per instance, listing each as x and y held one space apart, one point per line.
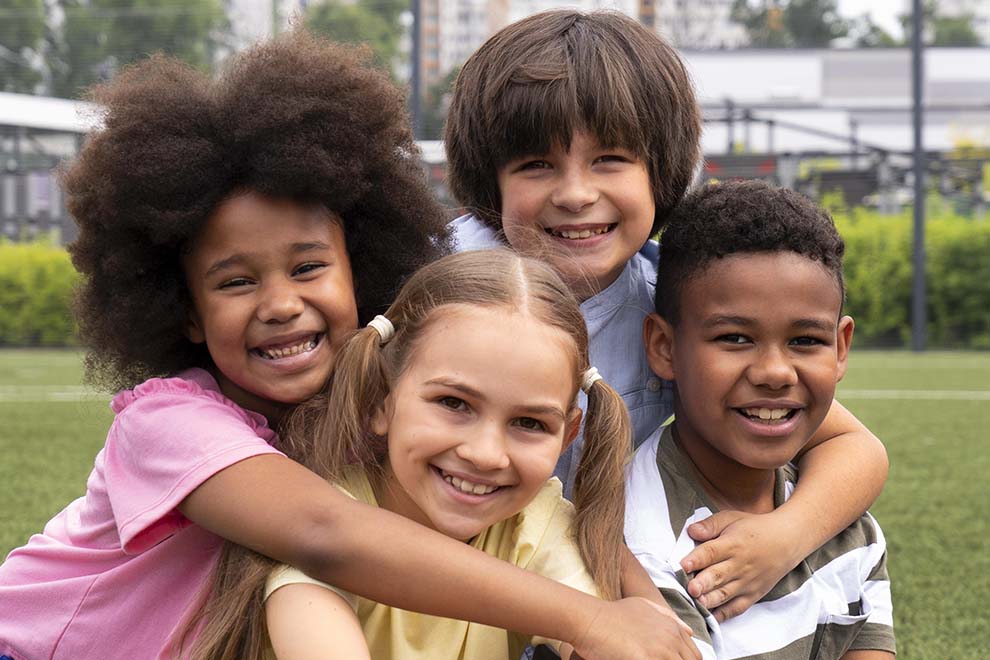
451 410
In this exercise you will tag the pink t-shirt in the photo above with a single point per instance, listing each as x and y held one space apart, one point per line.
114 574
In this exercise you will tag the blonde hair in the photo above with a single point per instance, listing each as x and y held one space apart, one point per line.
332 431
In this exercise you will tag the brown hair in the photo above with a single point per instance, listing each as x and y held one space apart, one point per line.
537 81
332 431
295 118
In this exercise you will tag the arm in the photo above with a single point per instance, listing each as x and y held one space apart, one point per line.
843 470
309 622
278 508
868 655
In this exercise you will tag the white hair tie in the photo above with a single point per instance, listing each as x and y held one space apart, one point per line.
384 327
589 378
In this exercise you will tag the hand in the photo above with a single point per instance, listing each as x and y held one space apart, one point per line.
740 559
636 628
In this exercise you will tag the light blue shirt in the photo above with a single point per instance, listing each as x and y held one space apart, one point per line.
615 332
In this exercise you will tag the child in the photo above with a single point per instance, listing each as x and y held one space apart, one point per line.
572 136
232 234
451 410
749 327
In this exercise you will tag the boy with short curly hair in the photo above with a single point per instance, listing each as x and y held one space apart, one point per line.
749 327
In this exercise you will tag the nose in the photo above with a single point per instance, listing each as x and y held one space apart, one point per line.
574 191
485 448
280 302
773 369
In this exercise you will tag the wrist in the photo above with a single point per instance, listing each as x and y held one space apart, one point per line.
801 535
580 621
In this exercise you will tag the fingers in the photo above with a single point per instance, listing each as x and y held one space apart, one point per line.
733 607
712 526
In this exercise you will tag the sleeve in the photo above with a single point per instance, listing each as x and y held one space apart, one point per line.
878 631
161 447
285 575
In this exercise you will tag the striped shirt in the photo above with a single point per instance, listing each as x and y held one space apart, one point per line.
836 600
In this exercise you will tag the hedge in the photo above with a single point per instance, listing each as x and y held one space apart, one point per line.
36 282
878 272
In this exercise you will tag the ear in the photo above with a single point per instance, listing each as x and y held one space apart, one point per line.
658 339
381 418
572 429
194 328
843 341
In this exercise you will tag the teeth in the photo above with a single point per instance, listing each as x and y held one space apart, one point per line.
467 486
288 351
574 234
768 414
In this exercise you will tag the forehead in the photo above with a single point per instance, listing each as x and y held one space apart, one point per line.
764 286
495 347
250 223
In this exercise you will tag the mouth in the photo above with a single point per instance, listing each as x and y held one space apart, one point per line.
465 486
290 349
768 416
580 233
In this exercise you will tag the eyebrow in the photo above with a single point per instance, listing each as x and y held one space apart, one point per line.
808 323
241 257
470 391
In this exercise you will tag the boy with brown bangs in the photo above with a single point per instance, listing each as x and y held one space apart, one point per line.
750 329
572 136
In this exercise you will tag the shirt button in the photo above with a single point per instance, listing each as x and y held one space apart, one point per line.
653 384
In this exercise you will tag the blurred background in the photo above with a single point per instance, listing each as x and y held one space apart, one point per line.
816 95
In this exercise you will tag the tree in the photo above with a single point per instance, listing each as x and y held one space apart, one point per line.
435 106
22 29
942 30
372 22
797 23
867 34
97 37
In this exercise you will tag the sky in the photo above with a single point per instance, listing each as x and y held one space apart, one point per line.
884 12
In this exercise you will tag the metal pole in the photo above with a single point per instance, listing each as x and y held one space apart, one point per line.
415 83
918 303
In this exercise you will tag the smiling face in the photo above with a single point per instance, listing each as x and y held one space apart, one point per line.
477 420
273 299
756 355
590 207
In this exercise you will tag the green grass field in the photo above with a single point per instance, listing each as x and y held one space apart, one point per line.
931 410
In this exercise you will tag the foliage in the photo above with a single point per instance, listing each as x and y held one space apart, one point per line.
372 22
866 33
790 23
941 30
435 106
22 29
36 285
878 270
97 37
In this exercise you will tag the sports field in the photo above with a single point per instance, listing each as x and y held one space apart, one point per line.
932 411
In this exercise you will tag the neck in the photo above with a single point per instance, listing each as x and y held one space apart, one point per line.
730 485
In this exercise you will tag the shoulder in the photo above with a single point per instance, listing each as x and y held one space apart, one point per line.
187 409
470 233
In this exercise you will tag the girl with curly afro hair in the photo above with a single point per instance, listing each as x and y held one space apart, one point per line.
232 233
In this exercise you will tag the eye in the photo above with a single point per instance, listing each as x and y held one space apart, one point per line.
452 403
308 268
530 424
807 341
533 165
235 282
733 339
613 158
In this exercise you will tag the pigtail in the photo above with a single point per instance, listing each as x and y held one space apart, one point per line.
358 387
600 485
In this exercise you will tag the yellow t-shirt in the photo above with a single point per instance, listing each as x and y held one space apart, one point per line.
539 538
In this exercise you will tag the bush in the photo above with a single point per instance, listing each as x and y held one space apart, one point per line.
878 270
36 285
